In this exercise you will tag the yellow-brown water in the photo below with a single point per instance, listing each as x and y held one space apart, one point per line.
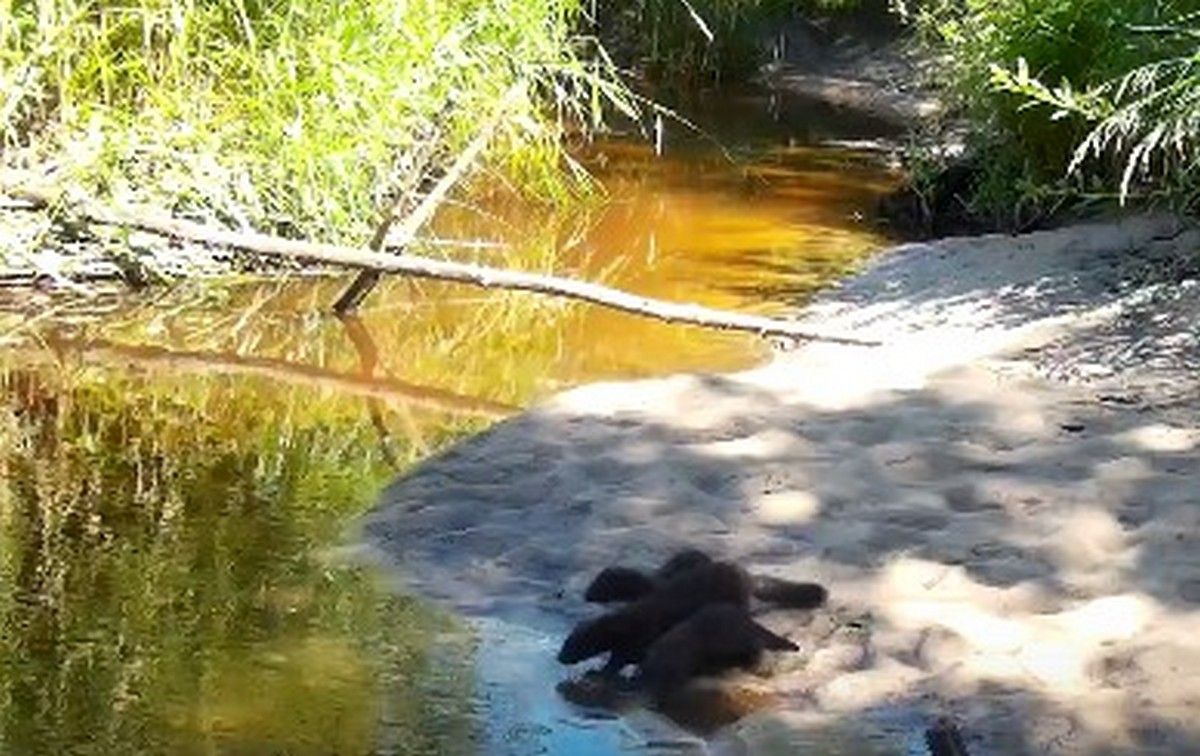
180 469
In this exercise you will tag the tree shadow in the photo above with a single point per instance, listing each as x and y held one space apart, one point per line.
1025 560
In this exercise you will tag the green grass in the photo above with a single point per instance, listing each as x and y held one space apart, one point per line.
1074 99
294 116
1145 122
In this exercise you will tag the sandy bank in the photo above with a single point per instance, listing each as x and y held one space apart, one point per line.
881 80
1004 499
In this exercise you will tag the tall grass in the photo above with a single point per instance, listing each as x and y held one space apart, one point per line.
1073 98
1145 122
299 116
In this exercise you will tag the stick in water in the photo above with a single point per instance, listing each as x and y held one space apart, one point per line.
444 270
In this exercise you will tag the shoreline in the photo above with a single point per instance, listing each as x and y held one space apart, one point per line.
1008 531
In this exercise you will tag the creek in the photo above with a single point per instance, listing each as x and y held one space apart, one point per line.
181 468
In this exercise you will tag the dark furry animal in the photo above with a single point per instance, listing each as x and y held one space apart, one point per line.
626 633
944 739
618 583
626 584
715 639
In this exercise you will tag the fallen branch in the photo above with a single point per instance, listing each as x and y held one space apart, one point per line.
443 270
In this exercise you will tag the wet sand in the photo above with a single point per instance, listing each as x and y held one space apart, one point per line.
1004 499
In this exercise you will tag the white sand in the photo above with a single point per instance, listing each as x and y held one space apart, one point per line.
1004 499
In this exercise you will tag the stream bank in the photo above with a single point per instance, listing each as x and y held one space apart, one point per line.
1002 500
180 464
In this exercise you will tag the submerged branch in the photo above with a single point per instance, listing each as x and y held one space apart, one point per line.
444 270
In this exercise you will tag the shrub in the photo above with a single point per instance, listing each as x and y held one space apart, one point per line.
1120 105
1145 123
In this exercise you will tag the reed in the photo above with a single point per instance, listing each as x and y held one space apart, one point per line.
295 116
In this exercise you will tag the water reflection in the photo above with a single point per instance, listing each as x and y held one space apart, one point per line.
163 584
177 469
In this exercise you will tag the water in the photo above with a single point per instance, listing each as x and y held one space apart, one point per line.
180 469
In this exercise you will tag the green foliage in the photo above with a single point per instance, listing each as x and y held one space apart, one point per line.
296 115
1085 97
1149 118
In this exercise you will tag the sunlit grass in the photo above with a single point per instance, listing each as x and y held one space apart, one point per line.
1073 99
300 117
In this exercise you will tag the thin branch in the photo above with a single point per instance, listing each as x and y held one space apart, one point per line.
368 360
366 281
443 270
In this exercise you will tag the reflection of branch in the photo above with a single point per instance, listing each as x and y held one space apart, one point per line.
223 363
385 437
368 359
360 337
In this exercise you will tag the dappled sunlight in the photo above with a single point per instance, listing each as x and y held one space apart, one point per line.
837 377
942 305
904 360
996 546
854 691
181 466
1093 549
771 443
1019 554
786 508
1006 638
1164 438
1079 657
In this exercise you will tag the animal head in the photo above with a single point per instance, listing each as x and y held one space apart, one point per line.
588 639
618 584
682 561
